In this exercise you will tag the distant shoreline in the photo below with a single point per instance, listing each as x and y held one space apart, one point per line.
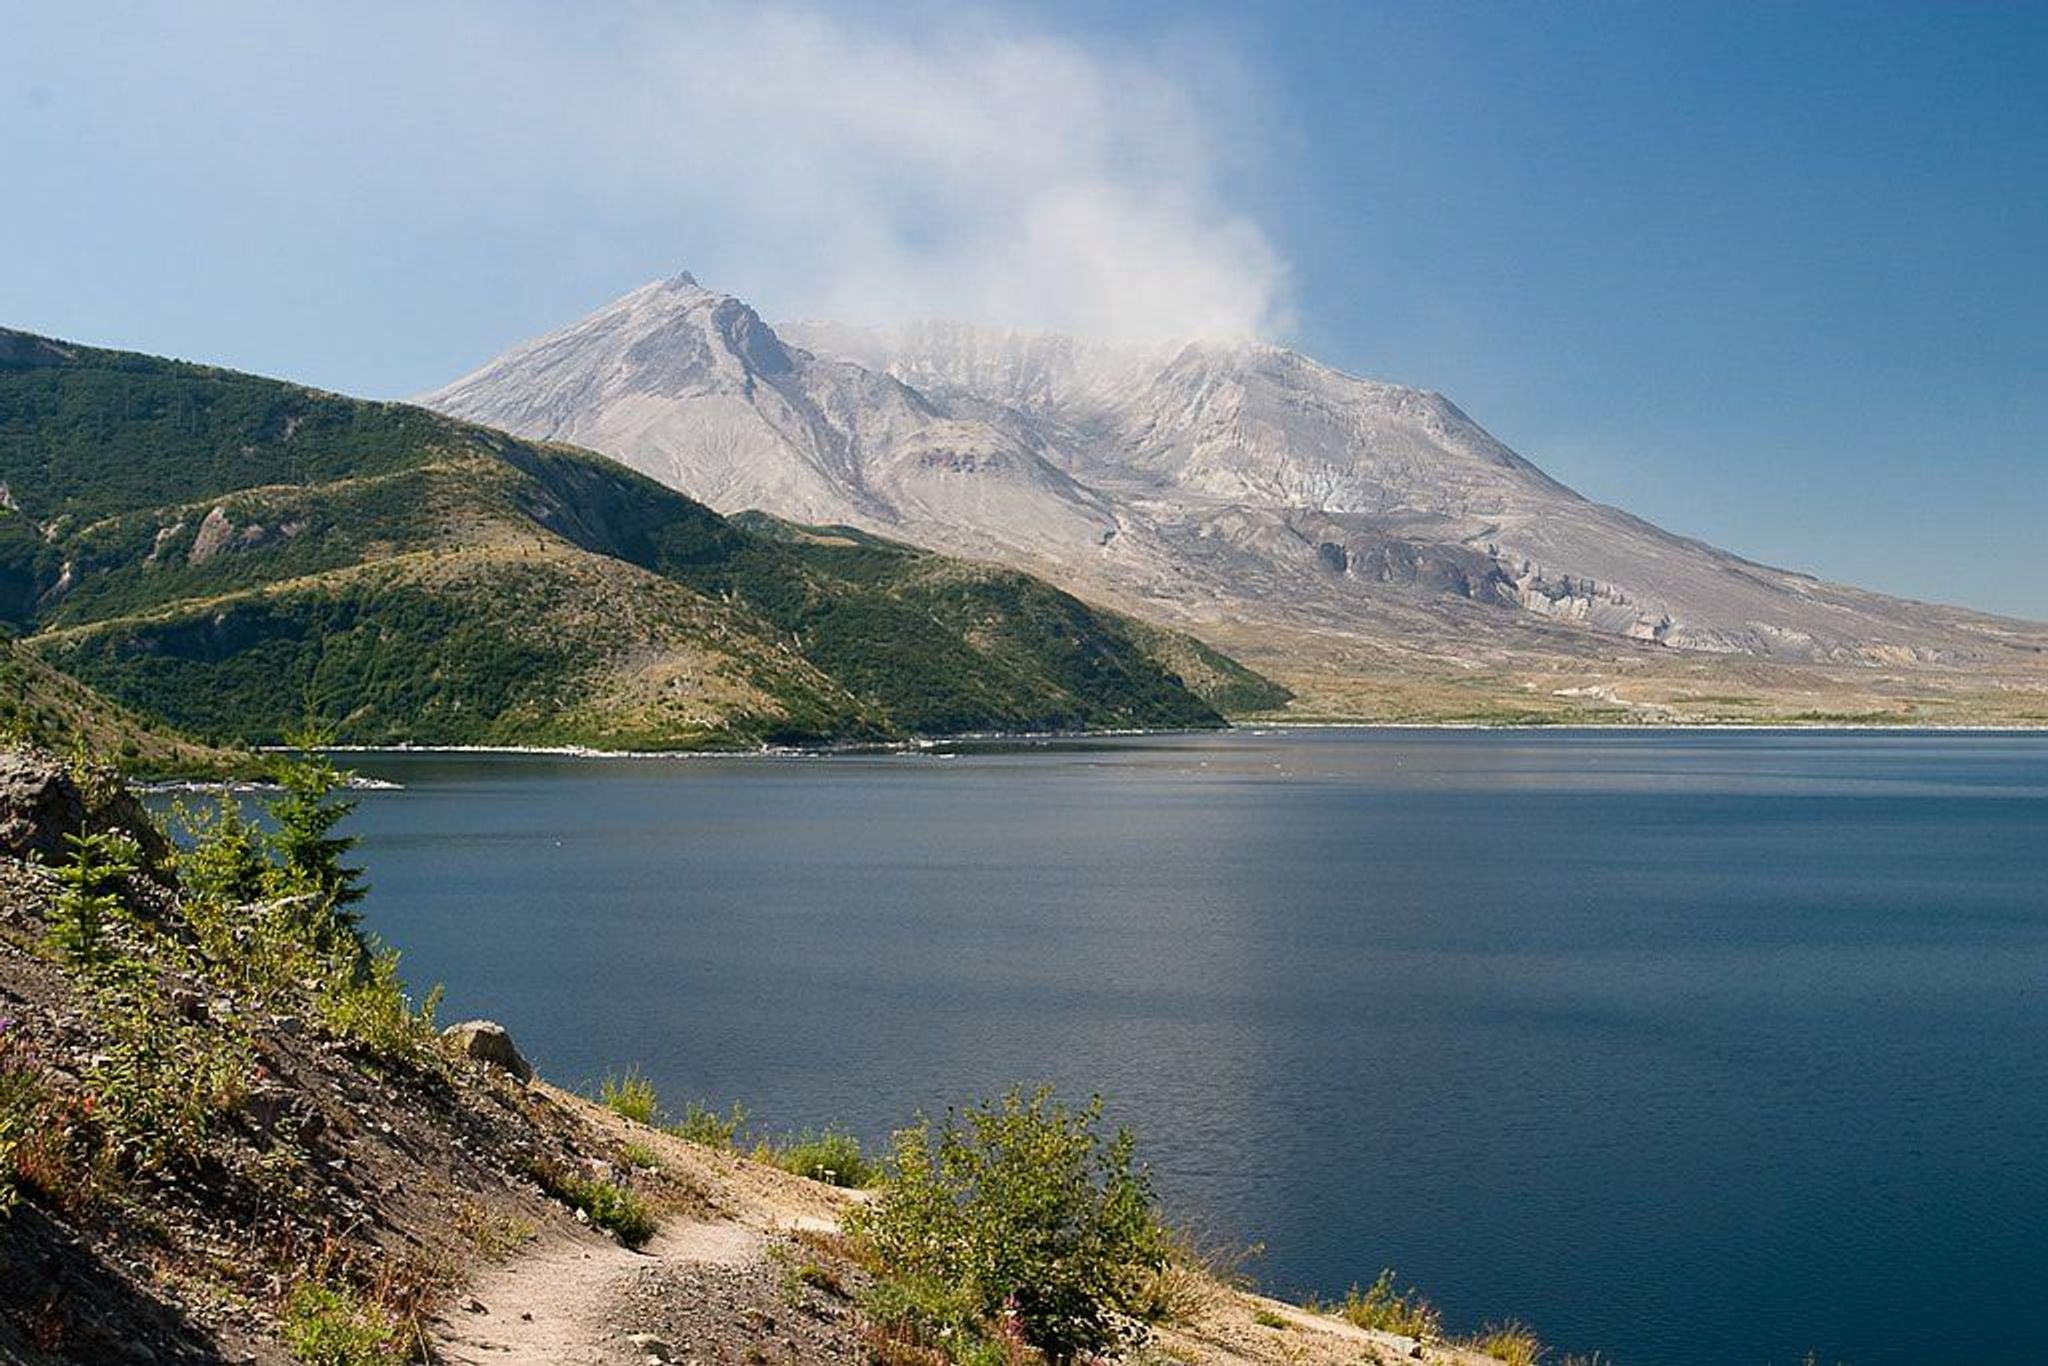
1249 728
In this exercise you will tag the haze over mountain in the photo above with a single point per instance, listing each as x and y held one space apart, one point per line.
1328 527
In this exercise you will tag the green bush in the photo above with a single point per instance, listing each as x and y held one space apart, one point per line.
1383 1309
708 1127
160 1081
631 1096
833 1156
367 1003
90 896
1021 1218
326 1324
613 1207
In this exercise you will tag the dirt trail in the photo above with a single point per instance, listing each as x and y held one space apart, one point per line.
705 1288
553 1305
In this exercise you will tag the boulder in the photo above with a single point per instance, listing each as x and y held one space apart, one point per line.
41 803
487 1042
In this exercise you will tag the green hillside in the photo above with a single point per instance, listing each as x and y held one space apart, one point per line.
41 706
238 556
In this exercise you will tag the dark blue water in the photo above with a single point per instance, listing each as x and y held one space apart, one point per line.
1701 1048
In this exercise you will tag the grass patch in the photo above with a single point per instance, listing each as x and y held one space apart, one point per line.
328 1324
617 1209
494 1236
800 1273
833 1157
707 1127
1266 1318
1509 1342
1383 1309
1194 1278
630 1096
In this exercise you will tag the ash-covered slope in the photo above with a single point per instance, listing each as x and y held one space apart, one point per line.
1233 484
691 387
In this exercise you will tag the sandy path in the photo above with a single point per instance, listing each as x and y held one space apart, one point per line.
549 1306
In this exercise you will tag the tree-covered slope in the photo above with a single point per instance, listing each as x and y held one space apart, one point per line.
239 556
40 705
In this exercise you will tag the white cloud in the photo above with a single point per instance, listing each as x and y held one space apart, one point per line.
976 170
487 157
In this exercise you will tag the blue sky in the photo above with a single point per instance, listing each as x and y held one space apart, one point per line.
1772 275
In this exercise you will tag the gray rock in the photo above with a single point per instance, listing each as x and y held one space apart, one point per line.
39 806
487 1042
42 803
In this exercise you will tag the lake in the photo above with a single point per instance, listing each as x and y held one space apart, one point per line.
1695 1048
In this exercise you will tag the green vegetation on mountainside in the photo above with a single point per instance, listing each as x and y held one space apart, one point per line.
238 556
42 706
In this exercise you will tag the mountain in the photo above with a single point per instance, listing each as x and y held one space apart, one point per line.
1367 543
239 556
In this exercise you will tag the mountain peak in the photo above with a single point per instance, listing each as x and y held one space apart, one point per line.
1173 475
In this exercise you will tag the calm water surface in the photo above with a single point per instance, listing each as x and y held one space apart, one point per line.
1700 1048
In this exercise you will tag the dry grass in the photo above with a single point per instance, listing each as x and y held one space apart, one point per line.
1510 1342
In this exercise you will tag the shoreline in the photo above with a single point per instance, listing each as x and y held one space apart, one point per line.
825 751
1026 738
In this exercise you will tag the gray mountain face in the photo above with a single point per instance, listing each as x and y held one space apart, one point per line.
1229 484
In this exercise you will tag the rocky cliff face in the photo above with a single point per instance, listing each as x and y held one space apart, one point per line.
1203 482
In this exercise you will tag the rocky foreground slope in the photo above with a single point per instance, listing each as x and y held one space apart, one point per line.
224 1138
1343 533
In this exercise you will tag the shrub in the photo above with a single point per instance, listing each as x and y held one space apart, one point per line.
370 1007
611 1207
920 1314
701 1125
1025 1217
328 1324
88 897
833 1157
1381 1308
161 1081
1509 1342
630 1096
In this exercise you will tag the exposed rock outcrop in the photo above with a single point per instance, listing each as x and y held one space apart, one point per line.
488 1041
43 803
